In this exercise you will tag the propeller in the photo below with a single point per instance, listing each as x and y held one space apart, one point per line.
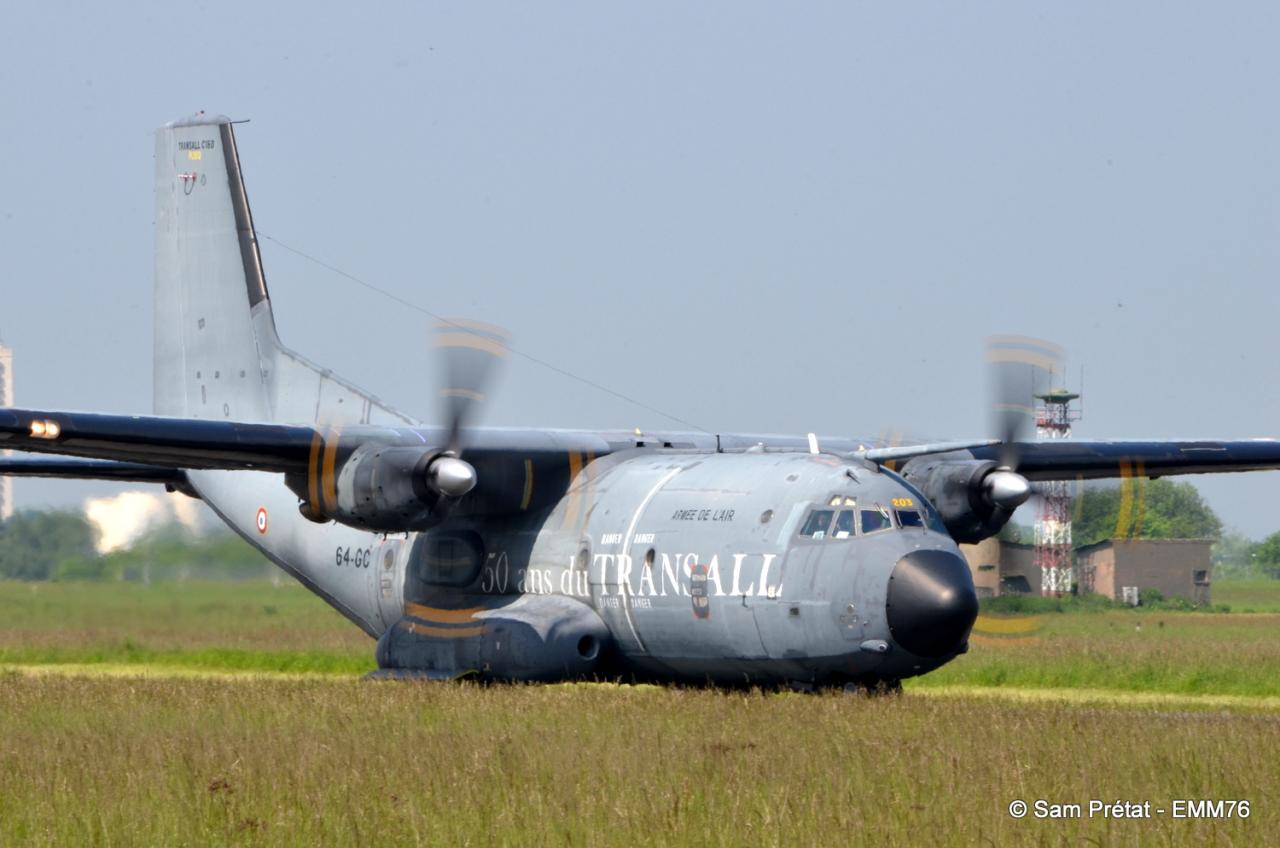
469 353
1017 367
1007 490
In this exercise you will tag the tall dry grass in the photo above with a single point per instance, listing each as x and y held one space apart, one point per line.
130 762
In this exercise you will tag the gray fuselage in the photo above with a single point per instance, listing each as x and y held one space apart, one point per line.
702 566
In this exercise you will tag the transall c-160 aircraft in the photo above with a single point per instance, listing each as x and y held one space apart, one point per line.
540 555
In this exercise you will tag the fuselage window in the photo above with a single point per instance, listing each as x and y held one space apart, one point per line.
817 523
909 518
875 520
843 528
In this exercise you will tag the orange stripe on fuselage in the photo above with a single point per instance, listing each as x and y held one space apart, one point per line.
443 616
444 632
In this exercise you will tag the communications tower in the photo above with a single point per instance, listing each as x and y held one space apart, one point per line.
1053 524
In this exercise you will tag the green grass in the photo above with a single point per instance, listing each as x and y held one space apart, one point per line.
250 626
1131 650
1258 594
188 607
314 761
297 661
258 626
165 715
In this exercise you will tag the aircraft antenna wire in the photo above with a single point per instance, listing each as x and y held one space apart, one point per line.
586 381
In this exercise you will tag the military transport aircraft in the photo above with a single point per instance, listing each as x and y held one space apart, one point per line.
550 554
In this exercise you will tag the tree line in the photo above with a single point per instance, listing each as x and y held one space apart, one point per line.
61 545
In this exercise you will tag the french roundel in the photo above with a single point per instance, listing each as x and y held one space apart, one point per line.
262 520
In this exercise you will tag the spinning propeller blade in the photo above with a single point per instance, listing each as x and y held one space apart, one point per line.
469 353
1017 368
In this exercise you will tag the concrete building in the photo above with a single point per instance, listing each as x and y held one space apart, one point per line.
6 399
984 563
1116 568
1002 568
1121 568
1019 573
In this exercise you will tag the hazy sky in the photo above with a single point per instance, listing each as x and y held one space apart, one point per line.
754 217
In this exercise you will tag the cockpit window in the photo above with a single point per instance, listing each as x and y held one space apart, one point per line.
843 528
934 521
875 519
817 523
909 518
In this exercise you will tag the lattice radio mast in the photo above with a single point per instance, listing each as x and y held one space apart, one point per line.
1053 524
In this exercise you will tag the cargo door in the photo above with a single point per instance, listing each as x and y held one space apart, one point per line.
780 615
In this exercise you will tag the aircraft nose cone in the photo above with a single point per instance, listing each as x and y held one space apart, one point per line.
931 603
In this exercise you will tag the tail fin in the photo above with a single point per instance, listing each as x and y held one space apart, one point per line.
217 354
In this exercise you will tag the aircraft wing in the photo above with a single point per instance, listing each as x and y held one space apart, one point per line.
143 447
90 469
157 441
193 443
1073 460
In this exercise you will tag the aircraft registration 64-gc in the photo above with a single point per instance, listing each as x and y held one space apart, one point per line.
523 554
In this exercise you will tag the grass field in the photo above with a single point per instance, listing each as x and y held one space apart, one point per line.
248 626
194 714
1259 594
258 626
92 761
1176 652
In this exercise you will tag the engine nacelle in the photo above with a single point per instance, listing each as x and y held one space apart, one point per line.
534 637
383 488
975 498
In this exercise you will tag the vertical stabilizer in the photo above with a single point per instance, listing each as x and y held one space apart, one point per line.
217 354
209 359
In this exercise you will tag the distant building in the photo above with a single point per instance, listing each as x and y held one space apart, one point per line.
1121 568
984 563
1019 571
6 399
1117 568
